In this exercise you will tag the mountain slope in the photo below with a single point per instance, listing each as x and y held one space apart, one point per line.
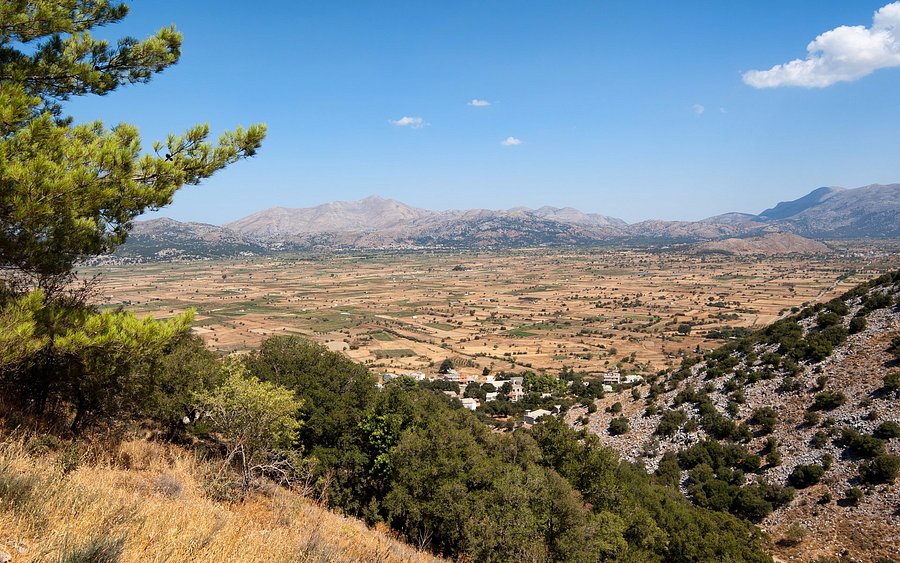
370 214
870 211
802 388
787 209
167 238
770 244
375 222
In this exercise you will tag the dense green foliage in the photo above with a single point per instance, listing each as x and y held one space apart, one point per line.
717 480
253 418
414 459
882 469
806 475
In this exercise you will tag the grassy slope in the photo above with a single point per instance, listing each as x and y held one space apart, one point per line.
145 502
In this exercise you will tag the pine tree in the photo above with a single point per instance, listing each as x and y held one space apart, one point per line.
70 191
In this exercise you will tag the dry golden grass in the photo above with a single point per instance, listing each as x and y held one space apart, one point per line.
146 503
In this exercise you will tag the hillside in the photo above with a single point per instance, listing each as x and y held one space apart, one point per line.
375 222
804 389
146 502
766 245
870 211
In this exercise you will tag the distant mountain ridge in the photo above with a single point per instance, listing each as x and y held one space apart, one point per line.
375 222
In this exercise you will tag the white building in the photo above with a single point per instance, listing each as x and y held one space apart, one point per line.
470 403
612 378
532 416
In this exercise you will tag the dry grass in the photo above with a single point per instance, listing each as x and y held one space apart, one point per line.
146 503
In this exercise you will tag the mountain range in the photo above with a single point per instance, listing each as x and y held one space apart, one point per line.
374 222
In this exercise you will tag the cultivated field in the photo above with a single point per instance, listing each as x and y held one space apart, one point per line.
541 309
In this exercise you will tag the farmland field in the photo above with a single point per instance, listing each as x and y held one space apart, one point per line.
588 309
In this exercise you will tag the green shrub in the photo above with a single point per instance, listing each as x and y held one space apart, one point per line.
887 430
862 444
857 324
892 381
853 496
766 418
806 475
881 469
670 422
819 439
618 426
829 400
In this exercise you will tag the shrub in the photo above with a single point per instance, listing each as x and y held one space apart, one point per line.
806 475
811 418
829 400
892 381
794 535
853 495
670 422
765 418
253 417
862 444
819 439
887 430
618 426
857 324
881 469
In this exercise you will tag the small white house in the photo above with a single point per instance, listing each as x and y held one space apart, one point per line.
532 416
470 403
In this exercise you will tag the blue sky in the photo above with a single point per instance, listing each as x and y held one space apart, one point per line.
604 98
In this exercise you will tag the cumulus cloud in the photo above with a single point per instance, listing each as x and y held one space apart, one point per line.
412 122
698 109
479 103
844 54
510 142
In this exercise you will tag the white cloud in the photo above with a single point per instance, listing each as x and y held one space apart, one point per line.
844 54
698 109
479 103
412 122
511 142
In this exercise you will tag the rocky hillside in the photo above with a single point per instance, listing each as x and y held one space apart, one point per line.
795 426
771 244
870 211
370 214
